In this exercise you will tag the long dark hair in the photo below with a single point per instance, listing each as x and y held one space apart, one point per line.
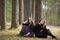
41 20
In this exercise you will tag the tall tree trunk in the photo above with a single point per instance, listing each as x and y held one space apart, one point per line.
27 9
2 14
37 10
14 22
20 3
33 9
22 11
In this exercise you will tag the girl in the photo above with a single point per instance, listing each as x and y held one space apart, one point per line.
27 29
41 31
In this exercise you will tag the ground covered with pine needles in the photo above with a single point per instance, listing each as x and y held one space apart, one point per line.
12 34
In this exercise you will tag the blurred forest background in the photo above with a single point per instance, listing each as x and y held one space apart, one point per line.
8 10
50 11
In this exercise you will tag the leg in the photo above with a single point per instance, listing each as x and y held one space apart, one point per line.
49 33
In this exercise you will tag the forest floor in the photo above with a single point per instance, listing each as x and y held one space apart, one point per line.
12 34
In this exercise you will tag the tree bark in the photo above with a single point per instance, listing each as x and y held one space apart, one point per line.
20 1
37 10
27 9
14 22
33 9
22 11
2 14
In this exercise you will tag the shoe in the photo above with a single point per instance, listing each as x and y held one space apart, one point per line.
54 37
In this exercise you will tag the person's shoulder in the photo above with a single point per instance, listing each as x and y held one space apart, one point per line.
25 22
37 24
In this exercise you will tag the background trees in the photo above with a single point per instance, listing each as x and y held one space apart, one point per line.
2 14
14 21
16 11
50 12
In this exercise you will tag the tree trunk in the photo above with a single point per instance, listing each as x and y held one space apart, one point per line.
14 22
20 1
33 9
27 9
22 11
37 10
2 14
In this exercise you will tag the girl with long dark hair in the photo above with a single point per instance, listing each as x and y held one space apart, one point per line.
27 29
41 31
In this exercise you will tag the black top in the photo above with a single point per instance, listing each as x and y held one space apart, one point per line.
30 25
38 28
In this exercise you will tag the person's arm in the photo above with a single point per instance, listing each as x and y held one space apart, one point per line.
25 23
42 26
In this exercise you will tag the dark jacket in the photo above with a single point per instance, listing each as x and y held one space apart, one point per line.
27 27
38 30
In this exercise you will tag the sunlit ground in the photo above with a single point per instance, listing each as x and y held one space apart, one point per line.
12 34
